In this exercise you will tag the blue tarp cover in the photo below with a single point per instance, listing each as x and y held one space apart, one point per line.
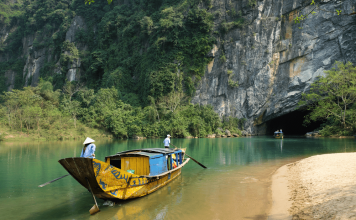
149 150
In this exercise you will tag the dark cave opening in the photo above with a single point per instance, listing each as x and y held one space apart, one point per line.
291 124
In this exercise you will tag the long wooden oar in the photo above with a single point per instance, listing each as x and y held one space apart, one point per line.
53 180
192 159
95 208
195 161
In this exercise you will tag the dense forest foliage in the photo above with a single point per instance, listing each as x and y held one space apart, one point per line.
145 48
141 62
47 113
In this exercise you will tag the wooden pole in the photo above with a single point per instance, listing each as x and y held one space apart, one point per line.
193 159
53 180
95 208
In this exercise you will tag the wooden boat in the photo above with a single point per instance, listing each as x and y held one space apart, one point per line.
127 174
278 134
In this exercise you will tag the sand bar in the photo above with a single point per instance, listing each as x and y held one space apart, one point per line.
318 187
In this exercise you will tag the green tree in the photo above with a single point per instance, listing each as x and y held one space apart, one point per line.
172 100
71 88
333 95
72 108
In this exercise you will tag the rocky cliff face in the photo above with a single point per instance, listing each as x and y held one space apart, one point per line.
36 59
259 70
274 60
74 69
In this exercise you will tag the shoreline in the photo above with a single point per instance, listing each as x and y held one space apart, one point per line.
317 187
16 136
280 195
21 136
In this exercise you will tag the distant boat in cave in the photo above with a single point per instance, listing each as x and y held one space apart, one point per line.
278 134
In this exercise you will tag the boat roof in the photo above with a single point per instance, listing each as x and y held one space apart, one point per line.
148 152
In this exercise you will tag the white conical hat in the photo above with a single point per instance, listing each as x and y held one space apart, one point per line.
88 140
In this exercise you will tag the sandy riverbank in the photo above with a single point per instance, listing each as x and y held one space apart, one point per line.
318 187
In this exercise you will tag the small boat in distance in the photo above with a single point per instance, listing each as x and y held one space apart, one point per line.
278 134
127 174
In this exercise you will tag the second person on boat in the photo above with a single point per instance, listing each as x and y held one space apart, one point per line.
167 141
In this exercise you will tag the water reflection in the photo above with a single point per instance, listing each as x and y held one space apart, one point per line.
281 145
125 212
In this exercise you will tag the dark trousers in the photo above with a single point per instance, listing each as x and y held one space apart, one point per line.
166 146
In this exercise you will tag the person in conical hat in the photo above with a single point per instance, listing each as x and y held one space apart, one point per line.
167 141
88 149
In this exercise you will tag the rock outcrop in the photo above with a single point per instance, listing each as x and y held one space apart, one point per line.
10 76
228 133
138 137
74 70
313 134
245 133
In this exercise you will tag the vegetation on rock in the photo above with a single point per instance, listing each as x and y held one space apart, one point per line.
310 7
332 99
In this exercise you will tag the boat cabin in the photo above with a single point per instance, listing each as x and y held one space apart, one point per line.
147 162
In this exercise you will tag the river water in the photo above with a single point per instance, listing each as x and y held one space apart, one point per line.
235 185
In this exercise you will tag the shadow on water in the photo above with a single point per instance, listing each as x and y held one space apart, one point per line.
81 205
64 209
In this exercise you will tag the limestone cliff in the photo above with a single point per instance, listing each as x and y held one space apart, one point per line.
36 59
273 59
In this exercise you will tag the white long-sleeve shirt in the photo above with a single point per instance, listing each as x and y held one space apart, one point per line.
166 142
90 150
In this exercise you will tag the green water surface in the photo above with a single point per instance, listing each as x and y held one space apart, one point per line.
235 185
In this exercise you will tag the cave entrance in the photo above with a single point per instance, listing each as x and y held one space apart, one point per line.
291 124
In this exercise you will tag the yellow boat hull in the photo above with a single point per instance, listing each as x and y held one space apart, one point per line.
109 182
